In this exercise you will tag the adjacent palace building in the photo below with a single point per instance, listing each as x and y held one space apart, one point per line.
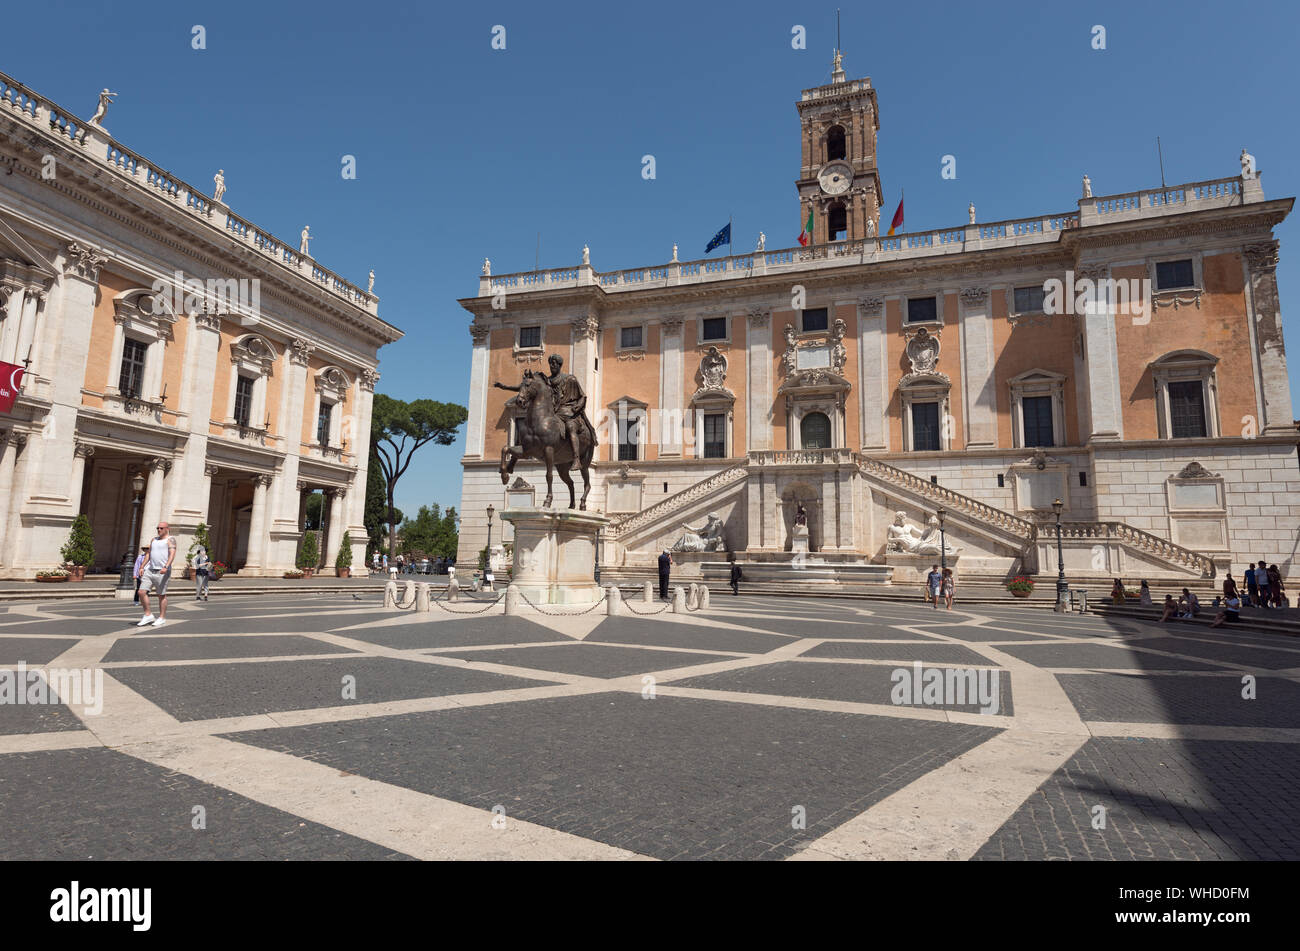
182 364
876 380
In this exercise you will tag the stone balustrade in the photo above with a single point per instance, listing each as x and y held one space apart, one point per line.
623 527
95 143
955 501
1136 538
1177 199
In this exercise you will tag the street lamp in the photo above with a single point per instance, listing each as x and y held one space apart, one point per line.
487 567
943 545
1062 589
126 580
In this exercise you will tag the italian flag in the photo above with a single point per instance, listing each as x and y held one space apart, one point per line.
898 218
806 234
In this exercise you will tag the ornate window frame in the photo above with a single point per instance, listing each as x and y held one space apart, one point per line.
926 388
332 385
713 341
1177 296
637 352
147 317
253 356
541 337
938 309
1181 366
1037 382
629 408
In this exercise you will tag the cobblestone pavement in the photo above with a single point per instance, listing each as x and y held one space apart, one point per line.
302 726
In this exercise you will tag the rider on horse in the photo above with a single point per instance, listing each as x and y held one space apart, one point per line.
570 404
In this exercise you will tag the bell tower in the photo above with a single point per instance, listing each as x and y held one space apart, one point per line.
838 179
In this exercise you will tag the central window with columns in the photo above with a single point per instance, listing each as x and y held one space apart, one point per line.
331 391
143 329
252 359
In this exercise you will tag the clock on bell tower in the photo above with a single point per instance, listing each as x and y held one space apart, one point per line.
838 179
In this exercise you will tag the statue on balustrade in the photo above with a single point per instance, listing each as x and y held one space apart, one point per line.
105 98
711 537
554 428
219 184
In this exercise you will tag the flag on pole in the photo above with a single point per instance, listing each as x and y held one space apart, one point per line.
11 381
806 234
898 218
722 237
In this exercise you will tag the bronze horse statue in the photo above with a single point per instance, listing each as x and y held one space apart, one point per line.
543 436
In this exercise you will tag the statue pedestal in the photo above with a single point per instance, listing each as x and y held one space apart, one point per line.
799 539
909 568
555 554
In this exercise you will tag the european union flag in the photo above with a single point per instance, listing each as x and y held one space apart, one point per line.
722 237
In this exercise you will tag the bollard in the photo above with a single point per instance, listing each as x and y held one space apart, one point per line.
422 598
390 595
648 593
613 601
512 599
453 589
704 597
408 594
679 600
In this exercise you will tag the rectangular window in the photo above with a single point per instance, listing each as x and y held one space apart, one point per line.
323 423
530 338
925 427
130 381
815 320
1037 418
627 445
1172 274
243 399
1187 409
714 328
715 436
629 338
922 308
1029 300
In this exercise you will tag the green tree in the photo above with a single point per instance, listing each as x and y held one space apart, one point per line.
376 508
344 558
311 513
309 554
398 429
449 534
422 531
80 546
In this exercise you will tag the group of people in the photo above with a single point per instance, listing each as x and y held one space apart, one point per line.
940 584
409 565
666 566
1264 589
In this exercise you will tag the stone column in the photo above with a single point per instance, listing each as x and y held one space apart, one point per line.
283 517
79 457
152 509
356 508
671 386
1100 363
13 444
1269 353
257 527
979 407
15 298
334 534
873 395
190 487
758 366
476 423
583 361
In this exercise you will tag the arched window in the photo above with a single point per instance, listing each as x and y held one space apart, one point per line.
835 144
815 431
837 223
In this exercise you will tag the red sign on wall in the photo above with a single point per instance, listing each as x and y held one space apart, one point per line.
11 381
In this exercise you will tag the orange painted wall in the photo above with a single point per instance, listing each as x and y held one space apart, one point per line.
1218 327
635 377
102 330
693 350
949 363
1028 347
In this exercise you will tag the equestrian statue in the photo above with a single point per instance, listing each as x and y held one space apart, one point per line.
554 428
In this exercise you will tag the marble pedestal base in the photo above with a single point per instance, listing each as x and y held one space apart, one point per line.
799 539
915 568
555 554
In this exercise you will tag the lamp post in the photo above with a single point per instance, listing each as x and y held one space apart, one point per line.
943 544
126 580
487 566
1062 589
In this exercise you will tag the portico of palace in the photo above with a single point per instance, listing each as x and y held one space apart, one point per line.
868 375
169 338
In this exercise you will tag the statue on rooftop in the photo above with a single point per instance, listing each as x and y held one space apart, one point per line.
105 97
219 184
586 255
674 253
762 242
970 213
1247 165
370 288
1087 186
303 240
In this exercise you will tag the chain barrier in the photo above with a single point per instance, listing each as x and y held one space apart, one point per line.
483 610
538 607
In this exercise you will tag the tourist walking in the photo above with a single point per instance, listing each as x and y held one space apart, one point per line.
933 585
948 586
1117 592
140 559
1252 586
1275 587
154 577
736 577
1261 579
202 565
665 566
1144 594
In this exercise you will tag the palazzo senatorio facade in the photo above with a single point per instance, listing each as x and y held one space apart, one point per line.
165 337
867 375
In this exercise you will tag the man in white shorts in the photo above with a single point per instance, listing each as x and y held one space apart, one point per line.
162 552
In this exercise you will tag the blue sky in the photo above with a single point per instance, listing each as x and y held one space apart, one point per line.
464 151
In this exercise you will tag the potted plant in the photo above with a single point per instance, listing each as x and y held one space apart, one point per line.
79 550
294 573
218 569
1021 586
200 540
53 576
343 561
308 555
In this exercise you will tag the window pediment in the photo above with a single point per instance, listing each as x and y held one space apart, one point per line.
144 313
253 353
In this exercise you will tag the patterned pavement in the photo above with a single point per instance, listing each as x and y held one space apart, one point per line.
314 727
